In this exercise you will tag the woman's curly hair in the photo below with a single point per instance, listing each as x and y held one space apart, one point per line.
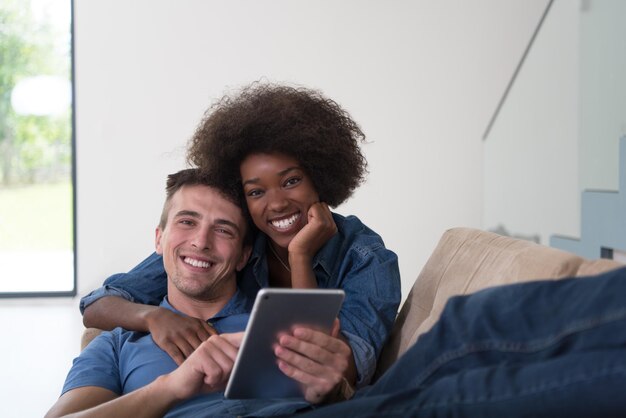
295 121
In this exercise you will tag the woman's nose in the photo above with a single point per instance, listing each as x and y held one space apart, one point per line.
276 200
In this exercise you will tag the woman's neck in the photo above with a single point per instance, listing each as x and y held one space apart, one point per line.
278 276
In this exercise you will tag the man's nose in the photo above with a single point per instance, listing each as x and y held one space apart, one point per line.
202 239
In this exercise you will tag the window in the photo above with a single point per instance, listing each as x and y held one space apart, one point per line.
37 256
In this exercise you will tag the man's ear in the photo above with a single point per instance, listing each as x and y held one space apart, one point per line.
245 255
158 233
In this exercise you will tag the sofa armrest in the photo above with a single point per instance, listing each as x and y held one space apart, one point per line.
88 335
467 260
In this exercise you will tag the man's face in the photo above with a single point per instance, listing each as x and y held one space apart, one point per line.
202 242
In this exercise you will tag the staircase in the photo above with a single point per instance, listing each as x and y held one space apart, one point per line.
603 219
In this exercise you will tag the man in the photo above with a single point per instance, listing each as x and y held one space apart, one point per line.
204 240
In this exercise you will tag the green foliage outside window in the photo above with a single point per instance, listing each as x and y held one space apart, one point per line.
33 148
36 190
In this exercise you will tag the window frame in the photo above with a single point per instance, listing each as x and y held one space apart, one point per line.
73 291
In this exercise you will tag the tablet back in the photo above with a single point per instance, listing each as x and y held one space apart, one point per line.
255 372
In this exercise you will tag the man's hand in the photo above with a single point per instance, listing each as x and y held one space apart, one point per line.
315 359
176 334
207 369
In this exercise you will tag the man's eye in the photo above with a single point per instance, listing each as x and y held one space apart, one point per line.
186 222
224 231
254 193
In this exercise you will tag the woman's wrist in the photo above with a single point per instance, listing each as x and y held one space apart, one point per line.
302 275
148 316
301 260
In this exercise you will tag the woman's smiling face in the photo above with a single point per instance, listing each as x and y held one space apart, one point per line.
278 194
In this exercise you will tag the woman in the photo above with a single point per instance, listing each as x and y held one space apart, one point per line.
293 154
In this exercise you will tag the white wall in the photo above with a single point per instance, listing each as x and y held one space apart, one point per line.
602 92
531 154
421 77
559 130
45 337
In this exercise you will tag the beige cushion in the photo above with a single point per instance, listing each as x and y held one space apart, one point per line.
88 335
592 267
467 260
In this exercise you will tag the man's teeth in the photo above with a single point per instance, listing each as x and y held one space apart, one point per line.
285 223
197 263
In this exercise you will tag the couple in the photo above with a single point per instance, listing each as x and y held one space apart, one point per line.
438 375
289 153
204 240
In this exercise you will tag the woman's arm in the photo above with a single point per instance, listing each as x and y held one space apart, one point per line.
113 305
110 312
175 334
319 229
357 261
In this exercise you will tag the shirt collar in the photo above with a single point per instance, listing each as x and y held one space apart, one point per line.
238 304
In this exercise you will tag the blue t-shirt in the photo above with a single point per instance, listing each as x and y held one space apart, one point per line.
355 260
122 361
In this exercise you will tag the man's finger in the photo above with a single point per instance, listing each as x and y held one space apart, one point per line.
234 338
297 374
336 328
316 387
220 352
320 339
316 353
312 363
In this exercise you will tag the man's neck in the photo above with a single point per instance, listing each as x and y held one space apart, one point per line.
203 308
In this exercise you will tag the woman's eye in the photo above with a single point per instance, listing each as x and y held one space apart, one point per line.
254 193
292 180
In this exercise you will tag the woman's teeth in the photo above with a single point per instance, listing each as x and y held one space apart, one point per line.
285 223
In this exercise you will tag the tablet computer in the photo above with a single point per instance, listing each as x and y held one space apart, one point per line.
255 373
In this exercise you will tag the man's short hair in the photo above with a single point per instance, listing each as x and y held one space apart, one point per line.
194 177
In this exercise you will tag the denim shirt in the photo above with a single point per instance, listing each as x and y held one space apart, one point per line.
355 260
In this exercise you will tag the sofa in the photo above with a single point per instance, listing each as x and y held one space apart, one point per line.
467 260
464 261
